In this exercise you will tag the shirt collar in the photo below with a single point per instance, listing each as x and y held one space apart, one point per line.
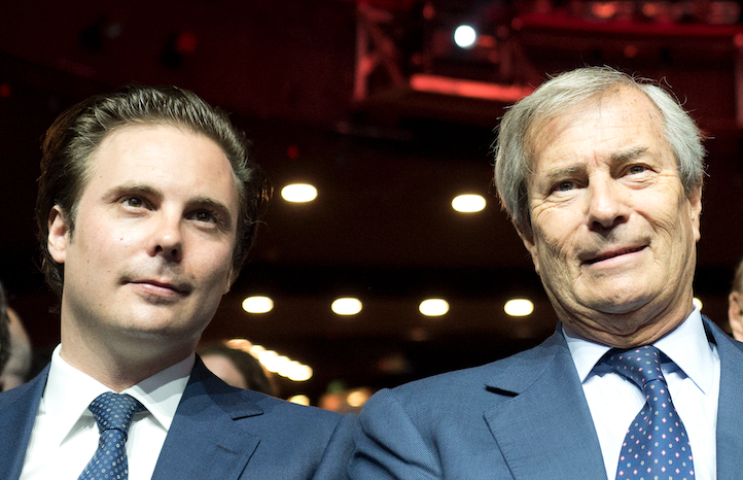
687 346
72 392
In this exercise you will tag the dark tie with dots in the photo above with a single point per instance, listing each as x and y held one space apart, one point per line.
113 413
656 446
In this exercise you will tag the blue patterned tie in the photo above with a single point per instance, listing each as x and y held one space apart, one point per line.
656 446
114 413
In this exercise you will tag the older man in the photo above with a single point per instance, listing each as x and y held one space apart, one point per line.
147 208
602 177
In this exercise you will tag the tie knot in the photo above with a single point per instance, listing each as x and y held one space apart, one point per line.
641 364
115 411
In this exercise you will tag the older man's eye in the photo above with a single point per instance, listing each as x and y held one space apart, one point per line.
635 169
565 186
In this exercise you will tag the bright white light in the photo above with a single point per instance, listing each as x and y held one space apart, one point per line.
698 303
257 304
266 356
300 373
468 203
434 307
518 307
300 400
299 193
465 36
346 306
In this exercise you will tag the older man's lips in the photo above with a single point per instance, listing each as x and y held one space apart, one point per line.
613 254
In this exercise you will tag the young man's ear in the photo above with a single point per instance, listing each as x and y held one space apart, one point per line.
59 234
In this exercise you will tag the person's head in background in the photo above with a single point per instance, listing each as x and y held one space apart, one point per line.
735 304
18 366
4 332
236 367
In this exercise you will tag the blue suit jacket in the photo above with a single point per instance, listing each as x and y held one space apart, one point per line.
218 432
524 418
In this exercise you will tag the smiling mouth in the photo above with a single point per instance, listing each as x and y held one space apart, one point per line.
614 254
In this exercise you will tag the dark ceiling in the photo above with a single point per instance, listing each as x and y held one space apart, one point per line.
386 166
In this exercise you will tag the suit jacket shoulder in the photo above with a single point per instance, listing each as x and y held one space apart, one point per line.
221 432
494 421
18 408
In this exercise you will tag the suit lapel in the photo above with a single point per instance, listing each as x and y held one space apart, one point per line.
204 440
729 418
546 425
19 407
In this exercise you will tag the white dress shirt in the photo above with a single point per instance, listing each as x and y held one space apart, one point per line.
693 380
65 435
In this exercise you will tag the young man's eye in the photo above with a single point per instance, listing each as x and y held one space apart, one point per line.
204 216
135 202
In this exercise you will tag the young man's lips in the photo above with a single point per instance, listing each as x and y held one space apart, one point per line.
180 290
612 254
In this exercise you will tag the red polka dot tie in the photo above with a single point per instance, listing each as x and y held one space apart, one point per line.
113 413
656 446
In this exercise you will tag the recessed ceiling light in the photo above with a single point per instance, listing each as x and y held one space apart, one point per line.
518 307
346 306
257 304
698 303
299 193
468 203
434 307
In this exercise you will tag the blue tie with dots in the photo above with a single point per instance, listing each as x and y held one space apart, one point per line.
113 413
656 446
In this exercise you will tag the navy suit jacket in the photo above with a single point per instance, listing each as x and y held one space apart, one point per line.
523 418
218 432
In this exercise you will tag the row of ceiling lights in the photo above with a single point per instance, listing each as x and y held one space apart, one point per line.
432 307
304 192
272 361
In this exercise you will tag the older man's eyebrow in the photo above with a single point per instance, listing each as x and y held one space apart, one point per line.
628 155
560 173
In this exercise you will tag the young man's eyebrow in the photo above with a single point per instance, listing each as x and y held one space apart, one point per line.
133 189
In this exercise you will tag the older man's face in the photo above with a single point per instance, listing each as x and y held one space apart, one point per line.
613 231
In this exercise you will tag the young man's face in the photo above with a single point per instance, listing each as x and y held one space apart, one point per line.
151 253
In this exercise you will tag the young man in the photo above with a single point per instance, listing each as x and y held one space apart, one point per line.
147 208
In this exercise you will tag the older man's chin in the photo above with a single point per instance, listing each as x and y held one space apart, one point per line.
625 326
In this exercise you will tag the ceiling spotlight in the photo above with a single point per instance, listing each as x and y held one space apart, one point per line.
465 36
468 203
346 306
257 304
299 193
518 307
434 307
